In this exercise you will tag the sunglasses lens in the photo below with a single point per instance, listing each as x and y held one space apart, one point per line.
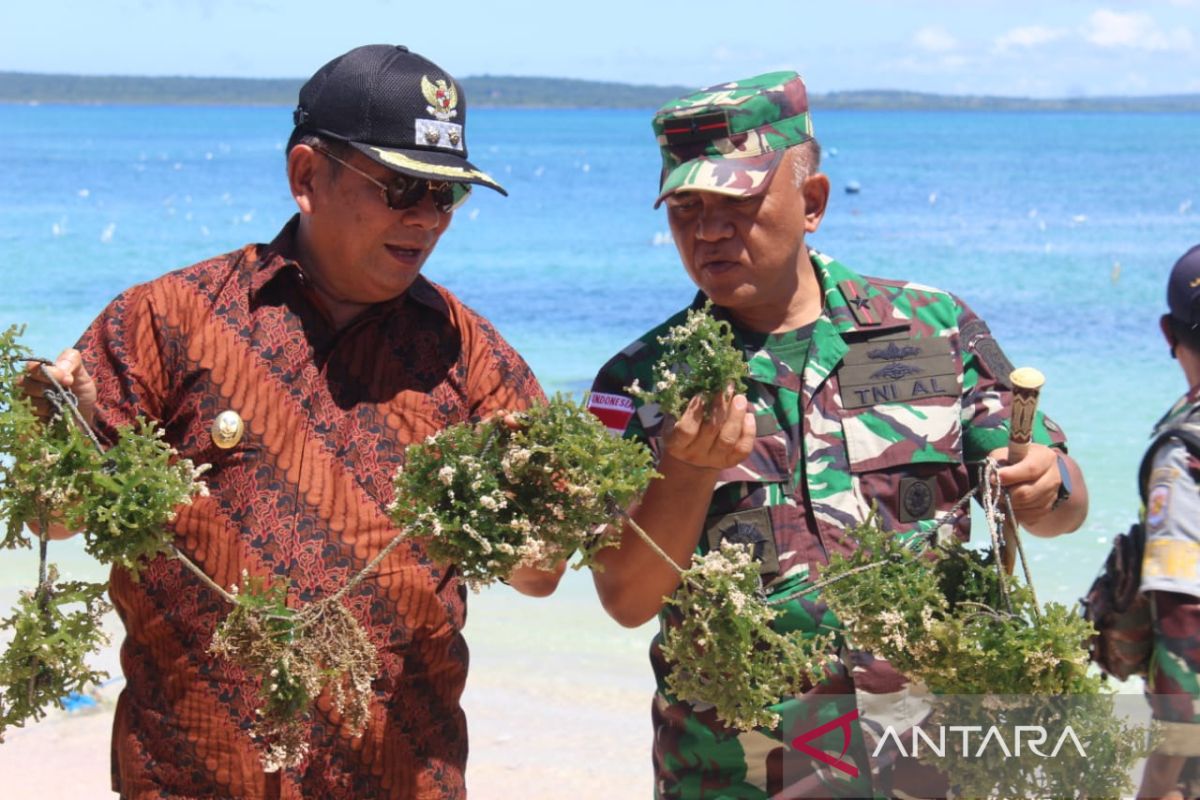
459 193
405 192
447 196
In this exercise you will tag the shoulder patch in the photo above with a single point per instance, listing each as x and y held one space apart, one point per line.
977 338
1163 475
633 348
614 410
1156 506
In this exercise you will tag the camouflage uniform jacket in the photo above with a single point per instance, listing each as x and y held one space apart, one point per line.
903 387
1170 478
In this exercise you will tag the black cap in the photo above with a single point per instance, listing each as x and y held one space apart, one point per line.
1183 288
398 108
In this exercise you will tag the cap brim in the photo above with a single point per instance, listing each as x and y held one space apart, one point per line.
429 165
736 177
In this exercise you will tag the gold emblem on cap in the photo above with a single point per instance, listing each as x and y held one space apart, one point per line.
432 135
442 99
454 137
227 429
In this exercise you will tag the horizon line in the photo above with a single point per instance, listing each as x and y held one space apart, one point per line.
643 86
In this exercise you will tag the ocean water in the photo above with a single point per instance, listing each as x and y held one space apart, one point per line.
1059 229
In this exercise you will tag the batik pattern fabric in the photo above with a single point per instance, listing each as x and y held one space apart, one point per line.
903 394
300 500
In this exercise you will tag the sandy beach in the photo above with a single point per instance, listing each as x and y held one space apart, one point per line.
549 709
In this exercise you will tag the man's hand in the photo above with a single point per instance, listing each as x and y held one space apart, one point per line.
69 371
1033 484
698 446
717 440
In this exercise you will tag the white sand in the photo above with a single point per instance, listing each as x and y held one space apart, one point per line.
558 702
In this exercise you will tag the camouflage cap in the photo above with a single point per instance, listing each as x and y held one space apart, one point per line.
730 138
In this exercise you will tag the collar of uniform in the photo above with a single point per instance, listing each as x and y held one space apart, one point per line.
279 258
1182 407
763 366
852 303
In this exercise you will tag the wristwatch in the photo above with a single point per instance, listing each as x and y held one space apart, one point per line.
1064 488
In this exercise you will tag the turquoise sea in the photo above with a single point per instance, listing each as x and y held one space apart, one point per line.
1058 229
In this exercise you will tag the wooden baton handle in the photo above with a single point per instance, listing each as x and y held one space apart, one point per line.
1026 386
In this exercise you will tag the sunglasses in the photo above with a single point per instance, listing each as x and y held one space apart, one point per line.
406 191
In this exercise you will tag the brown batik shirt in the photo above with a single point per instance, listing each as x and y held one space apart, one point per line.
300 499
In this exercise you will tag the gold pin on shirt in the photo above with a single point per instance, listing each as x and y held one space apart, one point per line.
227 429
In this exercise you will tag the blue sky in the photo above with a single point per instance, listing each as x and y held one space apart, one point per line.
1008 47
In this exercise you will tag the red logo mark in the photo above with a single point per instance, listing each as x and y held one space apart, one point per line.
801 743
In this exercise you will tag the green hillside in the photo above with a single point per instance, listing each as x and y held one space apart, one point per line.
520 92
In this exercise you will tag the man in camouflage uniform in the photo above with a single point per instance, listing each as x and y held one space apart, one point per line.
862 392
1171 565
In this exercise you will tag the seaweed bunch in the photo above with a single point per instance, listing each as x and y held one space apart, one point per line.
55 472
297 654
945 615
43 466
698 359
722 648
55 629
135 492
494 496
121 498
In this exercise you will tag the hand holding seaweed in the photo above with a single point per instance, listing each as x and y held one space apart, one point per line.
53 471
698 360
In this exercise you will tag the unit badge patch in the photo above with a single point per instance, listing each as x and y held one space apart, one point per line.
750 527
916 498
1156 506
442 99
443 107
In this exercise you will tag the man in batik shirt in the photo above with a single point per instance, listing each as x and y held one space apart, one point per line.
322 354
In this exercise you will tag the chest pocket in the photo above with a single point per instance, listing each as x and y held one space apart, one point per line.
901 403
740 509
766 464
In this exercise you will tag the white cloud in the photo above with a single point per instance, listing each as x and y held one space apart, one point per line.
1106 28
935 65
935 40
1028 37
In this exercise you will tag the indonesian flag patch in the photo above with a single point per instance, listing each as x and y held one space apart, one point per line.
614 410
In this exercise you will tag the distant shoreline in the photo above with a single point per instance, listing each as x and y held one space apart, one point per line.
521 92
